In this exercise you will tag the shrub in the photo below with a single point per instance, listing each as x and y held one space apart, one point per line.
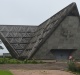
16 61
74 66
34 62
1 61
78 67
25 61
71 66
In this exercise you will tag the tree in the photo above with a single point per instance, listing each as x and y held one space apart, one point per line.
1 47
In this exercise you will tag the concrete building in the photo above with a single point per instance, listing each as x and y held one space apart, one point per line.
55 39
6 55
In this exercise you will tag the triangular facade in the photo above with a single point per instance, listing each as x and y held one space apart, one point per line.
16 38
37 39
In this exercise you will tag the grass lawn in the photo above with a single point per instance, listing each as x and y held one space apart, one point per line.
5 72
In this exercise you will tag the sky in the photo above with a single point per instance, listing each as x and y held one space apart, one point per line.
30 12
4 50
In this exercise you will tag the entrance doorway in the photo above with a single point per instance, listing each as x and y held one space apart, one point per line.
62 54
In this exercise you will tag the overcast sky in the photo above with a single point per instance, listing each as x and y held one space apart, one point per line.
30 12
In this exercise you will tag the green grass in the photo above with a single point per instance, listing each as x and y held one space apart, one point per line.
5 72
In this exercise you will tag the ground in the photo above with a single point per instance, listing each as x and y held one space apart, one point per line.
45 66
37 69
40 72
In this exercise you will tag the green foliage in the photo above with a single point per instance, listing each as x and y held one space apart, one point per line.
31 61
4 72
25 61
74 67
71 66
34 62
78 67
15 61
1 47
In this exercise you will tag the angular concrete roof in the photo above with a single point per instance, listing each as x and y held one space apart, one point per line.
16 37
49 26
24 41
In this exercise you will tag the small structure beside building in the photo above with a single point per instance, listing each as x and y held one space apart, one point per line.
7 55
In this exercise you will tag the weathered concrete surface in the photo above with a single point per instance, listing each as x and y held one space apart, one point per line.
66 36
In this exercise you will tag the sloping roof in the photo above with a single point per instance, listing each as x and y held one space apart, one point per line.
24 41
49 26
17 37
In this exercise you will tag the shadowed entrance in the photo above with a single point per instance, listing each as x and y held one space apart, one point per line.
62 54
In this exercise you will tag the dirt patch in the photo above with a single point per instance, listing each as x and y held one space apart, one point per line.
40 72
47 66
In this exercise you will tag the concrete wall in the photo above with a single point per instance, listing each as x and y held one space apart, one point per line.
66 36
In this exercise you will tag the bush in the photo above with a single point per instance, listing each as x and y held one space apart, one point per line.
78 67
9 61
25 61
34 62
15 61
74 66
1 61
71 66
